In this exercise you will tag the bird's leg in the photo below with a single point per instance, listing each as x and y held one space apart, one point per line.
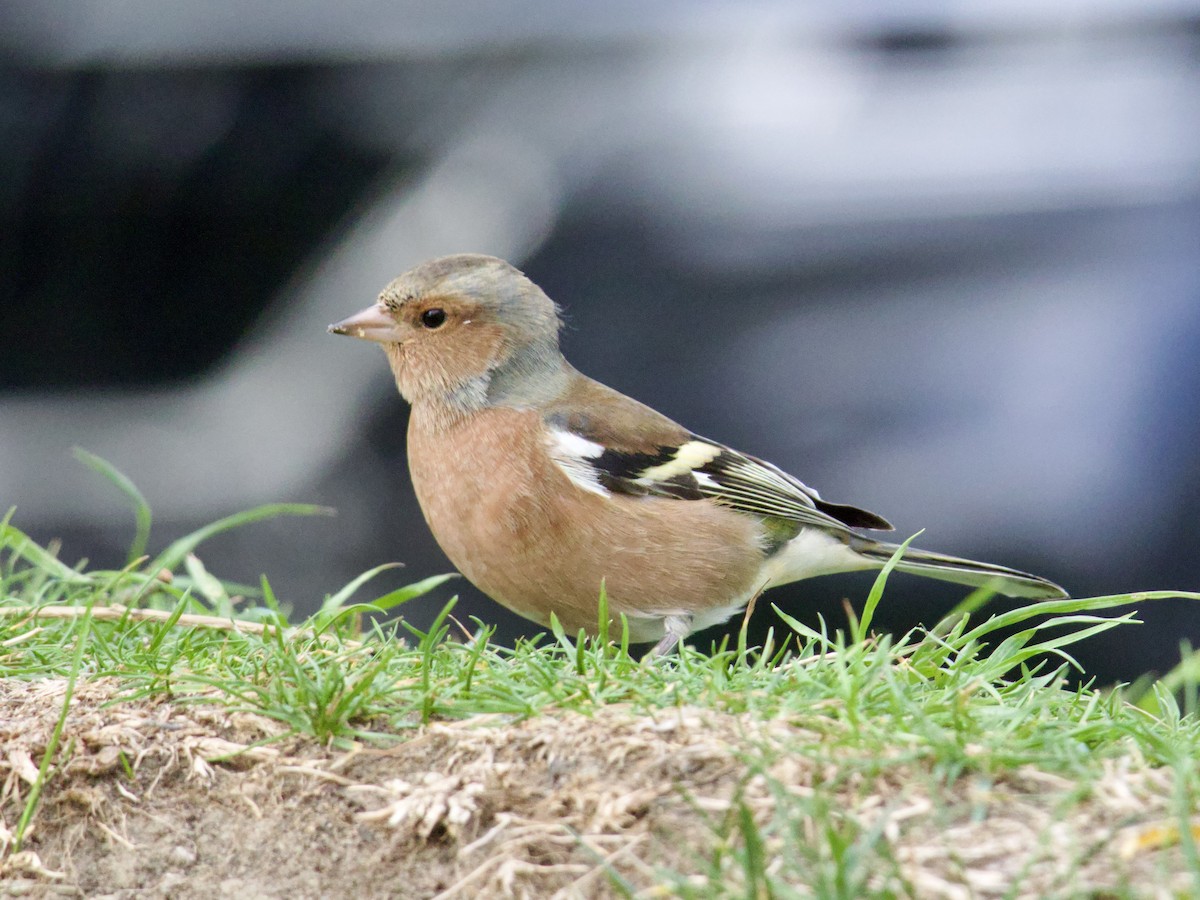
676 629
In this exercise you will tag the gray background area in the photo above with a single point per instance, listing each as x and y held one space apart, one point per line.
936 259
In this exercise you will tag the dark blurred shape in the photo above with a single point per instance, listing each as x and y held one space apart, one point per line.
153 214
915 41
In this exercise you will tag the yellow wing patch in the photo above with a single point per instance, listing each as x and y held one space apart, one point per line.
687 458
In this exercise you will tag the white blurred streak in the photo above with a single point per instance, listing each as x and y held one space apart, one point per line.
799 138
289 399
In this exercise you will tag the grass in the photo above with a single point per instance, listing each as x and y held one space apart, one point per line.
843 735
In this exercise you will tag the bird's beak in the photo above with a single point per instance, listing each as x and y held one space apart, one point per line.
372 324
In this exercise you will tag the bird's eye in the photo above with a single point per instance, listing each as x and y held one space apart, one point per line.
433 318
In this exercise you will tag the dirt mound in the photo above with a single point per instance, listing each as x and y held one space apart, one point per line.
151 798
162 799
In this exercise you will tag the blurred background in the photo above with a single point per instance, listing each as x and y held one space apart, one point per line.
941 260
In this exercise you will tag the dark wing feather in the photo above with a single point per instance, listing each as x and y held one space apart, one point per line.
699 468
608 442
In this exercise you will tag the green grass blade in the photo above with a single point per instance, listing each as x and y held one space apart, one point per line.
1069 605
35 792
178 551
334 602
141 509
861 629
812 636
208 586
411 592
429 644
21 545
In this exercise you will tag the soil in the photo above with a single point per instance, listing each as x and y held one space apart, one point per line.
150 798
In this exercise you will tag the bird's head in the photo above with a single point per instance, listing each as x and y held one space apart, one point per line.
466 329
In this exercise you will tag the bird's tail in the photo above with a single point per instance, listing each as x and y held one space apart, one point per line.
1009 582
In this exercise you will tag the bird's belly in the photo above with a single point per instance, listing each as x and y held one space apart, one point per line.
524 534
813 552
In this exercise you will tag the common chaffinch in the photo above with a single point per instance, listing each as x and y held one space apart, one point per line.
541 484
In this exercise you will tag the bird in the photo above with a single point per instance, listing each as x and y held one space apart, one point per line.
543 486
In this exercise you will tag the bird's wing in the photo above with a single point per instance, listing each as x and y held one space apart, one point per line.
620 446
